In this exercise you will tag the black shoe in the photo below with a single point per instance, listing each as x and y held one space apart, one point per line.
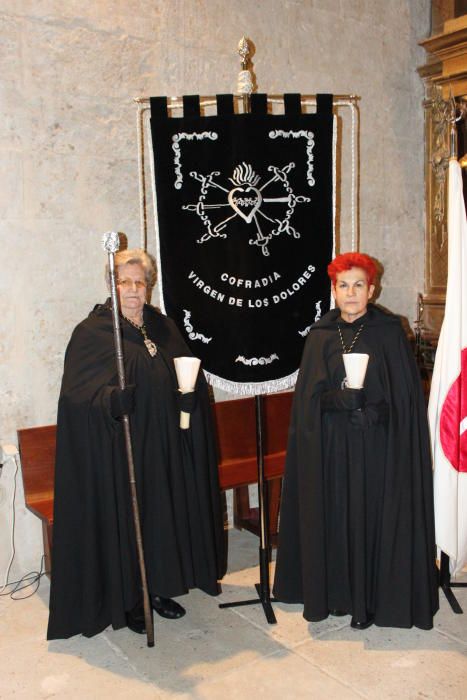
135 620
362 625
337 613
166 607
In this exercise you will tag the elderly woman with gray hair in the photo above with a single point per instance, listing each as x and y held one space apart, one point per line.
95 574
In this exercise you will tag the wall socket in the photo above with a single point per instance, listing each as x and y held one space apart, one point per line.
7 452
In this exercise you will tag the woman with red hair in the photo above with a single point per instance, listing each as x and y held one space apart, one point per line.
356 528
346 261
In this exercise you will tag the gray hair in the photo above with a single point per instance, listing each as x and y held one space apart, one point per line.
135 256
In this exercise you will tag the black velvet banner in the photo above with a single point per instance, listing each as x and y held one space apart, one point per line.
245 221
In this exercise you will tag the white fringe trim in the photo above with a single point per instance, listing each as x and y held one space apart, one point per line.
251 388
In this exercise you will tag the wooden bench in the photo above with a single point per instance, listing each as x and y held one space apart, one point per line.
37 452
235 424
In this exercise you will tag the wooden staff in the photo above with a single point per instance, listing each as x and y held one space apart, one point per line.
111 244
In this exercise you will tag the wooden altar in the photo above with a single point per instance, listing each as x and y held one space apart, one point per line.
445 79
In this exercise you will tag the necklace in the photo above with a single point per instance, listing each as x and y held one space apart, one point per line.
150 346
345 348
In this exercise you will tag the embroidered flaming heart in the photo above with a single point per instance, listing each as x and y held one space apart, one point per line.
246 198
245 201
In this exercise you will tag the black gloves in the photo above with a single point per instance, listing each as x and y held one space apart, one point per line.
186 402
342 400
372 414
122 401
362 415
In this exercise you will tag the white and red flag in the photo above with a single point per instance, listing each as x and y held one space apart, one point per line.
448 398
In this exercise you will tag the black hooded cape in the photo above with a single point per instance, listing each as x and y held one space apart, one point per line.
356 525
95 574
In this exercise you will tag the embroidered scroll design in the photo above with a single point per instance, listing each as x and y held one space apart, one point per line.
310 142
176 139
306 330
191 331
252 361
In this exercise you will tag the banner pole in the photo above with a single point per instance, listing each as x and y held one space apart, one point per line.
263 588
245 81
111 245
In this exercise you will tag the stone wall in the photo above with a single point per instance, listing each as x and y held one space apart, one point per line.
69 71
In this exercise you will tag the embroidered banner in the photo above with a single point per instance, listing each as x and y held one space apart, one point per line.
245 233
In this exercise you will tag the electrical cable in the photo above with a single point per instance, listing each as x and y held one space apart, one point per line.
17 587
35 576
13 498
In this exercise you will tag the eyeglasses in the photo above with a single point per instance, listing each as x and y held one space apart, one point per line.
128 284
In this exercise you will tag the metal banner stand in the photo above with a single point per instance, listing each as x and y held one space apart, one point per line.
446 585
263 587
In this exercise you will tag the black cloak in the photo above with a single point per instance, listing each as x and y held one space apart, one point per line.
95 574
356 524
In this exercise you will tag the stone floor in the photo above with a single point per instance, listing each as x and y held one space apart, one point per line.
229 654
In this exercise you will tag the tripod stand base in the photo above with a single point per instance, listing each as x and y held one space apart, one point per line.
451 598
446 585
265 601
263 588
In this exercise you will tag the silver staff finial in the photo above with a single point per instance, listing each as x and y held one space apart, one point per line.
111 241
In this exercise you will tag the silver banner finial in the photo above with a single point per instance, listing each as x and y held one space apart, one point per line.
245 78
111 241
243 48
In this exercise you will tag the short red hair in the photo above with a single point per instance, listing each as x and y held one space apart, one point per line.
346 261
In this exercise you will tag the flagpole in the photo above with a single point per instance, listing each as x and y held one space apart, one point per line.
445 582
111 245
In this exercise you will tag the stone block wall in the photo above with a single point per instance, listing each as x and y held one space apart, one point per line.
68 74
